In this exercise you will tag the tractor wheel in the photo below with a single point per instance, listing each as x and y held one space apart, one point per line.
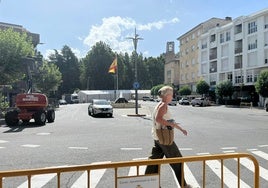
11 118
50 116
40 117
25 121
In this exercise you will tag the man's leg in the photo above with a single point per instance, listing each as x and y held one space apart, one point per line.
157 153
170 152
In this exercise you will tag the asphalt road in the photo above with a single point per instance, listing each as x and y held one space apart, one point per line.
76 138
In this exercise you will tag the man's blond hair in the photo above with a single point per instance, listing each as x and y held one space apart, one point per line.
165 90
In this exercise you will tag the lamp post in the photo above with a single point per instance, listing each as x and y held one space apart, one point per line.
136 84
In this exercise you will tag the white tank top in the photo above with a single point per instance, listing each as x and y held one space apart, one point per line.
157 125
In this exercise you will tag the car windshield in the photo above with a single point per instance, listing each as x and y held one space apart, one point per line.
101 102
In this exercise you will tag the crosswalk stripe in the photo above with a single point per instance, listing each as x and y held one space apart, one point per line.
95 176
189 177
230 179
133 169
249 165
38 181
261 154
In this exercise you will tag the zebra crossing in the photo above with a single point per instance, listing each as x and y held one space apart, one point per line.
230 176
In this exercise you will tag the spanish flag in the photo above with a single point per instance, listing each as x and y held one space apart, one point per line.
113 66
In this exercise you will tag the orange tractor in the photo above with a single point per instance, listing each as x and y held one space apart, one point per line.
30 106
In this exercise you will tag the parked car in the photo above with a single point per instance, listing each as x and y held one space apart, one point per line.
200 102
100 106
184 101
146 98
173 102
62 102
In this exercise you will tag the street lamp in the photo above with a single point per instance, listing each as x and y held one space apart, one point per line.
135 84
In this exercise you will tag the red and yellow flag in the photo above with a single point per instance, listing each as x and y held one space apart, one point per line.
113 66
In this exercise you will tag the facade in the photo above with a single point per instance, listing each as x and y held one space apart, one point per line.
18 28
237 51
189 51
172 73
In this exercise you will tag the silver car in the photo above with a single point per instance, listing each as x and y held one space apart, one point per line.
200 102
100 106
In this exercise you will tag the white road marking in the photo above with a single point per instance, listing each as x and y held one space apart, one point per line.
249 165
82 148
128 149
141 169
95 176
30 145
230 179
3 141
186 149
38 181
261 154
261 146
43 134
227 148
229 151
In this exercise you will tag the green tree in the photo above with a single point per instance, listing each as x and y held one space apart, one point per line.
155 89
70 69
154 71
202 87
261 84
49 78
14 47
224 89
185 90
96 64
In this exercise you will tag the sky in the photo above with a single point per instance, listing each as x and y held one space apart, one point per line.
79 24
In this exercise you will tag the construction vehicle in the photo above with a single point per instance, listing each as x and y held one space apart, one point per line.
30 105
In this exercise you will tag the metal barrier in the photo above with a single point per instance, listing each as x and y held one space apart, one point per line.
116 165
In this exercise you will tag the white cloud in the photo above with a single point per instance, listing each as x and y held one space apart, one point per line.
114 31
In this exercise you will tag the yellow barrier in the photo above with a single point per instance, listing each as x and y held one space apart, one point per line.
116 165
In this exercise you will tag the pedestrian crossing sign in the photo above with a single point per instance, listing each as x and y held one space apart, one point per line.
148 181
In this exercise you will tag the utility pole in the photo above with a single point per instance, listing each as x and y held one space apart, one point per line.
136 83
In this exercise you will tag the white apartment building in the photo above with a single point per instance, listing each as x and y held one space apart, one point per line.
237 51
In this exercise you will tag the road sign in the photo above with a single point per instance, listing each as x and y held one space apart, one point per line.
136 85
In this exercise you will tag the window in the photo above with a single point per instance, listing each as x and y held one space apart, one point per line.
228 35
193 61
203 44
252 45
213 78
230 77
239 77
221 38
252 27
193 48
212 38
169 76
238 28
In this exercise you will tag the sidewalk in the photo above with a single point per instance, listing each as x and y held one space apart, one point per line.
142 111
